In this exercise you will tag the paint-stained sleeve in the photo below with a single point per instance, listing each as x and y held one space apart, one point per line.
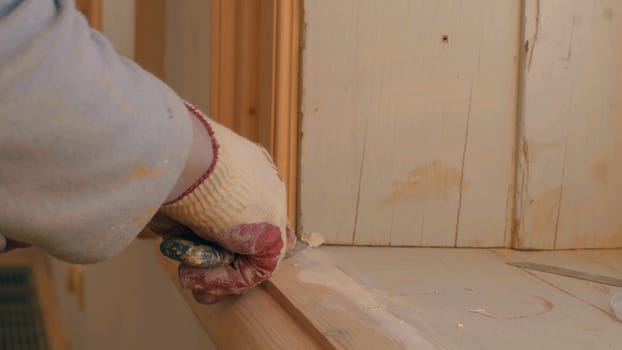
90 144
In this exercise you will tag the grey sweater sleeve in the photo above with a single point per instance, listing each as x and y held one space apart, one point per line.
90 144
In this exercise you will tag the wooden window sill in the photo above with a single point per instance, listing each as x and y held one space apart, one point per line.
291 311
421 298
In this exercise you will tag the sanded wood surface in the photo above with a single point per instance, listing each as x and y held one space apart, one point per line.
287 21
429 298
254 77
48 305
254 321
408 124
341 313
471 299
307 304
570 164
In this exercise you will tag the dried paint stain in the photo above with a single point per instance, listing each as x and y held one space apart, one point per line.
432 180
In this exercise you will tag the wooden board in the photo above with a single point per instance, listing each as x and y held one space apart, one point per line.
594 294
408 121
255 321
309 303
471 299
570 164
254 78
340 313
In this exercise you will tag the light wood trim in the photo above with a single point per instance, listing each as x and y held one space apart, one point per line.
247 45
150 29
254 72
222 69
286 313
286 97
92 10
342 325
48 305
255 321
254 84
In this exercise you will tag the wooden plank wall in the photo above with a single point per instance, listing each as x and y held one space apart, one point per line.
409 121
570 164
419 117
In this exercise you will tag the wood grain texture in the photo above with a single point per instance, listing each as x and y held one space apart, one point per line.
254 78
149 35
254 321
285 134
570 164
408 125
340 313
300 307
222 65
471 299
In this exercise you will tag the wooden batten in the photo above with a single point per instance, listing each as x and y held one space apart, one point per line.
254 78
253 72
569 165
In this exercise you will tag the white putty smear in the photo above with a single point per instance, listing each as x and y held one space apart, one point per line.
317 268
313 239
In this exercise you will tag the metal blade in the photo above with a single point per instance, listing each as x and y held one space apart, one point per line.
569 273
300 245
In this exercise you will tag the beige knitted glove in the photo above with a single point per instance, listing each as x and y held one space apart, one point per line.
239 204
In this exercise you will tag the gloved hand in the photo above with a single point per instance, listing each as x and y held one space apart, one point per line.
238 204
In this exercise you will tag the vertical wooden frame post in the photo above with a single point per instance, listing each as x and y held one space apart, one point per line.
254 56
254 72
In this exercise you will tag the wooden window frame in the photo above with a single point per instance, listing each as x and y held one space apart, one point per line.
254 72
255 54
254 90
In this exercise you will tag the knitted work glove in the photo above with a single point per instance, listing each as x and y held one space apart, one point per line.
240 205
